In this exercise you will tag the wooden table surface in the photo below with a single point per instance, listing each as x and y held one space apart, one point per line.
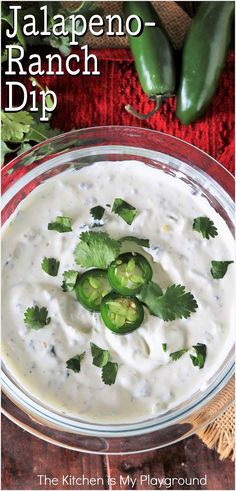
25 457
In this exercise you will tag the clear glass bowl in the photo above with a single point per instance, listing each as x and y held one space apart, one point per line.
70 152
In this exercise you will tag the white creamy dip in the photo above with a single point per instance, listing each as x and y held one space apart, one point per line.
148 381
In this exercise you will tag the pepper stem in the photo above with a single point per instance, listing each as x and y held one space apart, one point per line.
159 99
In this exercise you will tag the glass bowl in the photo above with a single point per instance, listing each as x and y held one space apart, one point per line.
70 152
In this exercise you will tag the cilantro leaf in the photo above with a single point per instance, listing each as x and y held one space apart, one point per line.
15 126
50 266
177 354
124 210
173 303
136 240
199 359
96 249
219 268
164 347
74 363
149 294
205 226
61 224
5 150
36 318
100 356
97 212
109 373
69 281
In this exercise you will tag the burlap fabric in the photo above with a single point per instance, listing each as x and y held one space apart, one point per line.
220 434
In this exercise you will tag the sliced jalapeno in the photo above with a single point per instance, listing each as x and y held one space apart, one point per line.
91 287
129 272
121 314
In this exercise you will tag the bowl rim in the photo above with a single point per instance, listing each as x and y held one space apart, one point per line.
115 127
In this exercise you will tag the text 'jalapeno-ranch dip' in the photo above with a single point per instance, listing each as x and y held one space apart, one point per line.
116 292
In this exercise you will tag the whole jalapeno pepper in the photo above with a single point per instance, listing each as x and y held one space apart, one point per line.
204 55
153 55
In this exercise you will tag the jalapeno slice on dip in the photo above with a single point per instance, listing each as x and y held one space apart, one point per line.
129 272
121 314
91 287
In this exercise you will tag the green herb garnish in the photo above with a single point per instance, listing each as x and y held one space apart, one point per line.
97 212
124 210
136 240
177 354
74 363
36 318
50 266
96 249
205 226
173 303
199 359
164 347
100 356
69 280
109 373
61 224
219 268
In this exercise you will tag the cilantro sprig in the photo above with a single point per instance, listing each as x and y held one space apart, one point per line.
109 373
101 359
205 226
100 356
177 354
124 210
61 224
74 363
96 249
219 269
97 212
201 352
170 304
69 280
136 240
36 318
50 265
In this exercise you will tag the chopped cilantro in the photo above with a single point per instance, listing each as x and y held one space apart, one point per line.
109 373
96 249
199 359
219 268
50 266
36 318
75 362
164 347
173 303
177 354
124 210
69 280
100 356
97 212
205 226
61 224
136 240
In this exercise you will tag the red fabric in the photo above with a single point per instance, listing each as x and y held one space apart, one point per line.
99 100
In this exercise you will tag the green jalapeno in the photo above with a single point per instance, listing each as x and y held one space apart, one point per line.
204 55
153 55
121 314
129 272
91 287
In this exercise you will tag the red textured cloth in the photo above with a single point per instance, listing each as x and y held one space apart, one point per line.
85 101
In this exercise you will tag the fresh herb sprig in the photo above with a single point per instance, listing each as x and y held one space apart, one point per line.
36 317
205 226
219 269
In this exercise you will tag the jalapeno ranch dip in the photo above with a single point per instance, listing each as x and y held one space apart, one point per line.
117 285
